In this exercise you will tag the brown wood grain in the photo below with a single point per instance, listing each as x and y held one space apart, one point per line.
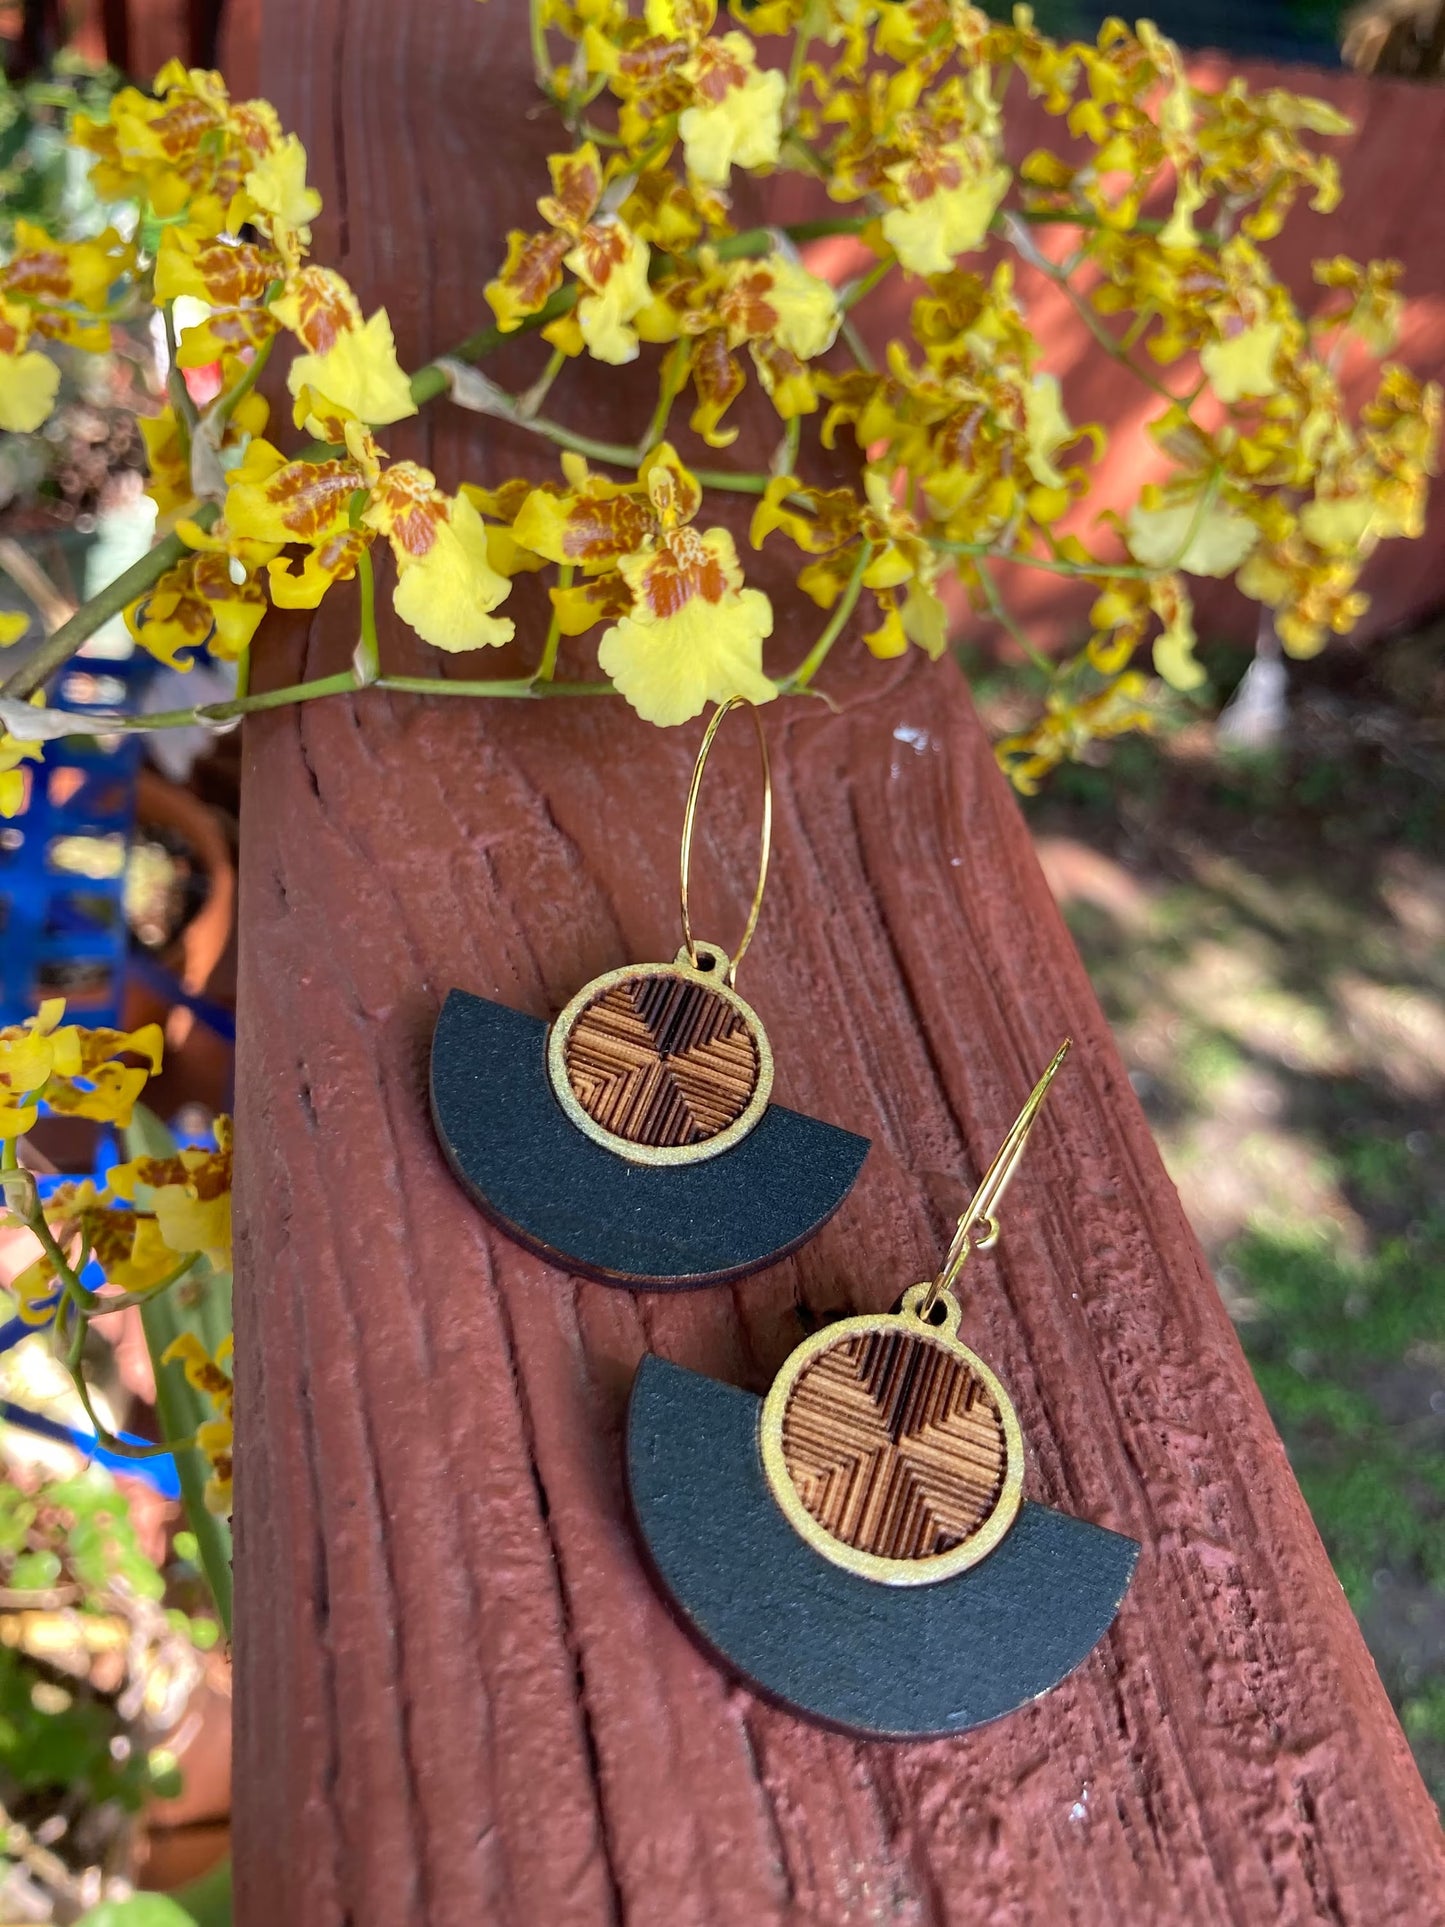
459 1699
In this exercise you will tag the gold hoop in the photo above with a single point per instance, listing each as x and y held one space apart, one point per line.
911 1323
765 843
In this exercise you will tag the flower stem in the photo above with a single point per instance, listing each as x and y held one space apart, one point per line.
64 642
523 686
1005 618
223 410
367 661
739 484
847 603
547 667
1083 571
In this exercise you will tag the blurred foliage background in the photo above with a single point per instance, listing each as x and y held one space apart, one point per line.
1266 931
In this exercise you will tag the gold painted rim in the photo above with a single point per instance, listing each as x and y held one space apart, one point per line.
872 1565
661 1154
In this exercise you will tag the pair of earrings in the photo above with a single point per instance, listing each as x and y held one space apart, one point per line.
856 1544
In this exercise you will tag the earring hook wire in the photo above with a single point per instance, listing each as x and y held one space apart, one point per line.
978 1228
689 821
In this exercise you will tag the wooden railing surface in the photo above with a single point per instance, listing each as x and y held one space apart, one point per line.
459 1698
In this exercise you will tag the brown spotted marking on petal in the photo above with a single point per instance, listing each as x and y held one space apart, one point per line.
600 528
325 308
180 129
234 277
652 62
339 554
683 567
576 189
929 172
604 246
312 496
716 376
10 337
534 266
41 273
255 125
745 307
606 598
174 599
239 328
213 581
407 507
717 71
502 504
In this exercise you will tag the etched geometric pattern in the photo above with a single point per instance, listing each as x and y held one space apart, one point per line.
894 1446
661 1060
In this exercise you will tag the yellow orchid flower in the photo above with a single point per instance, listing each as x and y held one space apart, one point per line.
694 634
1191 535
188 1195
29 380
150 1260
1174 648
30 1055
1241 366
14 781
276 186
446 586
359 372
947 196
206 1372
611 263
736 119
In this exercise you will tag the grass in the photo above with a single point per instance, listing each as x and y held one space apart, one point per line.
1267 935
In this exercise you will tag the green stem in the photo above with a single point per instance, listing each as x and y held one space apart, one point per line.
223 410
739 484
547 667
119 1447
859 289
63 643
523 686
529 402
123 1300
847 603
1006 620
1082 571
541 65
346 682
368 650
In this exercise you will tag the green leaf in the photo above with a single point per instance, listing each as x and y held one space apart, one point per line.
209 1898
200 1303
141 1910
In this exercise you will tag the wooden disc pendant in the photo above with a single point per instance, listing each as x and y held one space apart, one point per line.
891 1448
662 1063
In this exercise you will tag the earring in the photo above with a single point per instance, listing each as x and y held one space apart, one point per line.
857 1544
634 1141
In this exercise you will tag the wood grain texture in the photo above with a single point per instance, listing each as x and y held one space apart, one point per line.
661 1061
459 1697
894 1445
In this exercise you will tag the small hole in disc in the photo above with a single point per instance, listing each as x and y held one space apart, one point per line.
938 1315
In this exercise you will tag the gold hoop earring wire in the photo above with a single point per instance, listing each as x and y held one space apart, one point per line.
765 843
978 1228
